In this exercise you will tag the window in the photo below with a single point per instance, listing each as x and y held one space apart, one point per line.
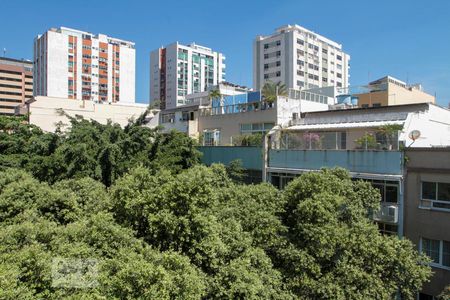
300 42
339 57
266 55
388 190
435 195
437 250
324 51
211 137
250 128
300 62
300 73
168 118
376 105
339 75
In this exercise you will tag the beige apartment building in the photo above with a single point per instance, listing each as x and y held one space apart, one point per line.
16 84
390 91
45 112
427 211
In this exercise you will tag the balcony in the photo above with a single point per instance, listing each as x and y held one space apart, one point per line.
357 161
251 157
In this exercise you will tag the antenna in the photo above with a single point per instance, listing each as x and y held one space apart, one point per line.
414 135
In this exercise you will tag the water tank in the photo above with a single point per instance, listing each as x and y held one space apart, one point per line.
346 99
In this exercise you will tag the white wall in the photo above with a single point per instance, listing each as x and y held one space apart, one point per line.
43 111
127 73
434 127
155 75
57 65
286 107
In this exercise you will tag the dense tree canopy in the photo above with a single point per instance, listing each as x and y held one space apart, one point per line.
157 225
90 149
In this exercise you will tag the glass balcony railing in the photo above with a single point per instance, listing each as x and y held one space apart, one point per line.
358 161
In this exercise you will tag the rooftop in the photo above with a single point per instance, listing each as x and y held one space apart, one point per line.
14 60
76 31
295 27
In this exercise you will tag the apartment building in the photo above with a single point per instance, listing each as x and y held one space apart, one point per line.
236 113
178 70
80 65
390 91
16 84
300 59
47 112
427 212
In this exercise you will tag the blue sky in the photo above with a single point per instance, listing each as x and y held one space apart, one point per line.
409 40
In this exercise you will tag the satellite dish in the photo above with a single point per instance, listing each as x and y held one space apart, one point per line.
414 135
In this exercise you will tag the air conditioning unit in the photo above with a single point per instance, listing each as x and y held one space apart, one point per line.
387 213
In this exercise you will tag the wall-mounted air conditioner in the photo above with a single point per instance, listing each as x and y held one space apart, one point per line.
387 213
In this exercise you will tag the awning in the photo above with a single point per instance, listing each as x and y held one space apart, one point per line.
344 125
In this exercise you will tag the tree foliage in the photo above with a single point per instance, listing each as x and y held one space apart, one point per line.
272 90
160 226
103 152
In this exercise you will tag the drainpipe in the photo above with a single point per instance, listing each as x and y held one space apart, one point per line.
266 151
401 207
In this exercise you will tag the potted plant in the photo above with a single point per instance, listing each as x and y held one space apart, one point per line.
367 141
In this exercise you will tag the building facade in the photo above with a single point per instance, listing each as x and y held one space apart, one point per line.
47 112
390 91
16 84
80 65
178 70
427 212
300 59
367 142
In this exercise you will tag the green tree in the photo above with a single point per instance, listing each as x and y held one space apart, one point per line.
445 294
271 91
235 171
337 249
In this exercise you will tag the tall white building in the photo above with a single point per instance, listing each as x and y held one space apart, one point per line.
178 70
300 59
80 65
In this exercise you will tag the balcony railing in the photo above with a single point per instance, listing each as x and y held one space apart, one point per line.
358 161
251 157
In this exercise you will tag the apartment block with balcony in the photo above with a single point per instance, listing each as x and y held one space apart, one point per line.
300 59
178 70
427 212
227 119
185 118
387 91
366 142
74 64
16 84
